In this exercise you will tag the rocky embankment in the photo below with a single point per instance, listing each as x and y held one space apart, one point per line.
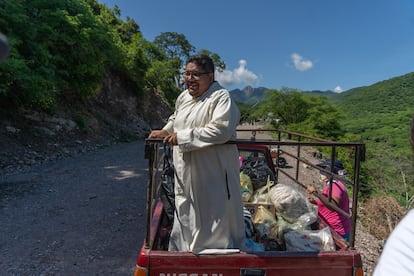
115 114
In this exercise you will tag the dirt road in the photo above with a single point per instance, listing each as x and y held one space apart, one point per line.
79 216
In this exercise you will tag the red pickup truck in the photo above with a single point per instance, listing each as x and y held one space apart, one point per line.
154 258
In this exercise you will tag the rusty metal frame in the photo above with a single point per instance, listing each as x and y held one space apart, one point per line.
298 140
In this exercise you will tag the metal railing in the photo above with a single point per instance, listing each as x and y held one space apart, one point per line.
288 138
283 139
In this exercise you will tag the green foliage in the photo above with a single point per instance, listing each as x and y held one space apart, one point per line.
287 106
61 49
324 118
136 63
246 111
176 49
160 76
174 45
306 113
81 123
28 74
380 116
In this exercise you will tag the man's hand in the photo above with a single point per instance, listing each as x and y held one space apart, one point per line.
172 139
168 138
158 134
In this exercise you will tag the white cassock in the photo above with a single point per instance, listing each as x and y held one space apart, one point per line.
397 257
209 208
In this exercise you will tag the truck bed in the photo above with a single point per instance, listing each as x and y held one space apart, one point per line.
343 261
155 259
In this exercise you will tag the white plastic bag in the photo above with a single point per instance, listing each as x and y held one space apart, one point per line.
309 240
292 205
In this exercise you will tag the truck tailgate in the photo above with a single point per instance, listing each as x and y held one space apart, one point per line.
163 263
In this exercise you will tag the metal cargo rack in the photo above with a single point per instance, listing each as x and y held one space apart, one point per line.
155 149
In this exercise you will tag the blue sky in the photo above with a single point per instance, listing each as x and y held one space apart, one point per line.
303 44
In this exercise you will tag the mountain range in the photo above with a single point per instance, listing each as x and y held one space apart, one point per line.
379 113
384 97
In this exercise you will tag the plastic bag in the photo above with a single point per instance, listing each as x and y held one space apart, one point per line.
248 223
167 194
285 226
258 171
309 240
292 205
265 223
262 195
253 246
246 187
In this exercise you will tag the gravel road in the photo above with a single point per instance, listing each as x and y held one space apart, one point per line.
79 216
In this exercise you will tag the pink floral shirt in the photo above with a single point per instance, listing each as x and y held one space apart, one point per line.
338 222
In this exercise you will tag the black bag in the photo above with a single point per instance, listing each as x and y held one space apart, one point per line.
258 171
167 184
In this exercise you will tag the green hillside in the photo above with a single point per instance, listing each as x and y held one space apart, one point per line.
380 115
380 112
385 97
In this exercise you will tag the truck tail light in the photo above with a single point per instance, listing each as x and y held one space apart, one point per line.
358 271
140 271
142 264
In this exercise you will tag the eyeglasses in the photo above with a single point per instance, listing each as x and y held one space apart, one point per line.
196 75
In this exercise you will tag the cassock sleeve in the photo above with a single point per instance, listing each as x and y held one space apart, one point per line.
221 127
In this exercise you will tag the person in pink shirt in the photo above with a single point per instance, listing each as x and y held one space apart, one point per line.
337 221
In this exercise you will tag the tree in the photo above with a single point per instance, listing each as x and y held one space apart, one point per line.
177 49
28 76
324 118
285 107
174 45
60 47
306 113
160 77
128 29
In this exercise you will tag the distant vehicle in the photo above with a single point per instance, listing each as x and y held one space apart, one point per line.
155 260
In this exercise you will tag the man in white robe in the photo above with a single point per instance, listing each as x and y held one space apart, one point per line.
209 208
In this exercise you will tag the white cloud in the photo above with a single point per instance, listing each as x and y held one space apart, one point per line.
338 89
300 63
236 76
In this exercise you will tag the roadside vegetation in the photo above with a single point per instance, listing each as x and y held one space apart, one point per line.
62 50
